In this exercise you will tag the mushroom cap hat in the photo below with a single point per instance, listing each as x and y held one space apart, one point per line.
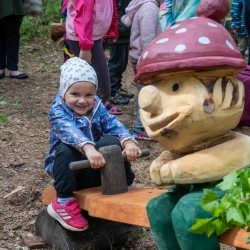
195 44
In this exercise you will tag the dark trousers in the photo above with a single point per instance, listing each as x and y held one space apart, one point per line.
99 63
10 42
67 180
117 64
247 24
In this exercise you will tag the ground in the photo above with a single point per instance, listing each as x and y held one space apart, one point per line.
24 143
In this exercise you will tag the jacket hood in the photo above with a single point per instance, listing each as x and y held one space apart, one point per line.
131 10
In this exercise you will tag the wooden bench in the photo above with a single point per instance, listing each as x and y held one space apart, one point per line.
130 208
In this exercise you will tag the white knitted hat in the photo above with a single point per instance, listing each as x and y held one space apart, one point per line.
76 70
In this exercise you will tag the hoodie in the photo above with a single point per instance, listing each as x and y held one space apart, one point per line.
142 17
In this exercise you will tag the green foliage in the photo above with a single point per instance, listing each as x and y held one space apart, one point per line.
3 118
230 210
33 27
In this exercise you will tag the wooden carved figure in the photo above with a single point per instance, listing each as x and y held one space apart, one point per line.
190 104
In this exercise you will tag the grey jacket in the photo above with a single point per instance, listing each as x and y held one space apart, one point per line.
142 16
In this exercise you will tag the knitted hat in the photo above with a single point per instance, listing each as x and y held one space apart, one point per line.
76 70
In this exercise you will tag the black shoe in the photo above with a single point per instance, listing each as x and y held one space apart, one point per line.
20 76
2 76
125 93
118 99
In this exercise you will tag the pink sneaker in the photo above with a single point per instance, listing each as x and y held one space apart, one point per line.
68 215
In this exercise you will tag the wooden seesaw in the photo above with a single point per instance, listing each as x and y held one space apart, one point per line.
114 212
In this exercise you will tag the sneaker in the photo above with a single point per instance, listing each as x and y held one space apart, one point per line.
125 93
113 110
141 135
119 99
68 215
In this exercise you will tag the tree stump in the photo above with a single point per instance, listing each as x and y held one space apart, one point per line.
102 234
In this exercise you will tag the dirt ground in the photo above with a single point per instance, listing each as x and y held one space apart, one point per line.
24 143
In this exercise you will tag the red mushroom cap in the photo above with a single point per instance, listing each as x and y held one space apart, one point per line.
195 44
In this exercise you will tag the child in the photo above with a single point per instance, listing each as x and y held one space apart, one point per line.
80 124
142 16
87 23
238 25
118 61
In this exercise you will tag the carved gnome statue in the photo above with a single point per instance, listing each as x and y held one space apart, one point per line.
190 104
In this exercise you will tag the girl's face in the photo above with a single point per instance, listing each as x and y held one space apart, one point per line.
80 97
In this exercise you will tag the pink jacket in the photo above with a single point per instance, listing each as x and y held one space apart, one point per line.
88 20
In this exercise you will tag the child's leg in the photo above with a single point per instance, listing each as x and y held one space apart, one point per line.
99 63
65 208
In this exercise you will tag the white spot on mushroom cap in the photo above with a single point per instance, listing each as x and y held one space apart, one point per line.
163 40
182 30
212 24
174 26
229 45
204 40
145 54
180 48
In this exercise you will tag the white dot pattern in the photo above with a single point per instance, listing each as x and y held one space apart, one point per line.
184 38
180 48
164 40
179 31
193 44
204 40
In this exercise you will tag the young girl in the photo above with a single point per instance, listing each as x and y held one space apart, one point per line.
80 124
87 23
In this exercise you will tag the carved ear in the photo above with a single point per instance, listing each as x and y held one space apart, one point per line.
214 9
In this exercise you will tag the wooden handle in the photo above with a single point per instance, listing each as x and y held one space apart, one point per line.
86 164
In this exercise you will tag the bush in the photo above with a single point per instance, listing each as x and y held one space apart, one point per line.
33 27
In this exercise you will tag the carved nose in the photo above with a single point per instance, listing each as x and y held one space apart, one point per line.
150 100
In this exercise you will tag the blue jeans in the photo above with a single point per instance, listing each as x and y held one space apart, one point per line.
117 64
9 42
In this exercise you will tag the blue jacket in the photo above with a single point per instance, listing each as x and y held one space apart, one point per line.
76 131
237 21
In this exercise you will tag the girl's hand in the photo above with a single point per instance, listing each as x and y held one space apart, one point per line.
132 151
86 55
95 158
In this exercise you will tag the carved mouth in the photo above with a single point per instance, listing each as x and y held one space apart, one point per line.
163 121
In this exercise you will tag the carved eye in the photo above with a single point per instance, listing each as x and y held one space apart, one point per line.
175 87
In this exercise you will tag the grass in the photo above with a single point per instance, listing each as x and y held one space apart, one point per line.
33 27
3 119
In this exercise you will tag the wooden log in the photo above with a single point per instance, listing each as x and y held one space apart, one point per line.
56 31
102 234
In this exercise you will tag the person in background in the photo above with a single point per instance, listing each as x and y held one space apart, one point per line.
87 23
80 125
67 53
247 24
238 25
142 17
11 16
118 58
172 11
